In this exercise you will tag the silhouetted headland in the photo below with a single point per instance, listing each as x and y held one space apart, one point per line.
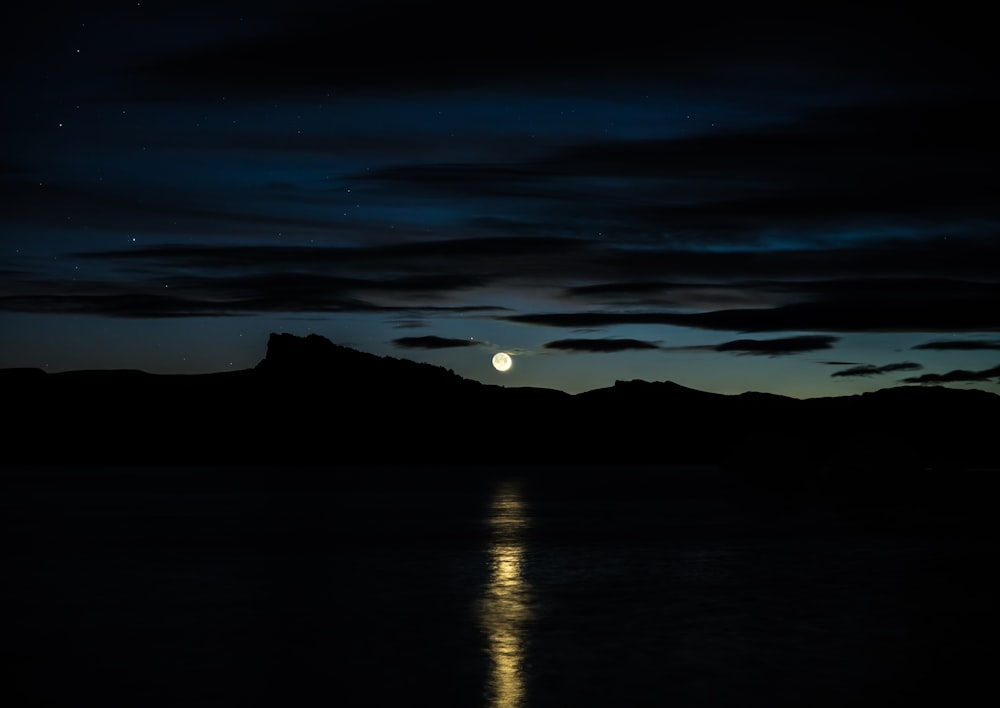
312 401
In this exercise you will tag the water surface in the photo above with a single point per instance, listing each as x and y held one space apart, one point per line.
496 588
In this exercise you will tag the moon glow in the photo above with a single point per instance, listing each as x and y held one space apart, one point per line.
502 361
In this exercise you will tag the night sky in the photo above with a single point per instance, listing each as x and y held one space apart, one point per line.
753 196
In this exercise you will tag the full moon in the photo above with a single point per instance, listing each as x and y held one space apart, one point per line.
501 361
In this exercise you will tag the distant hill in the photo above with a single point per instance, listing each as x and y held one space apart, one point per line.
312 401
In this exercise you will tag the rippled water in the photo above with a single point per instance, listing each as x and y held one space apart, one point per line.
512 588
506 606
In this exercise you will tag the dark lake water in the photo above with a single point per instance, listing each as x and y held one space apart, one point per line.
482 587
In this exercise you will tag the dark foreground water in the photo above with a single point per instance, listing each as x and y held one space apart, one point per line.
454 587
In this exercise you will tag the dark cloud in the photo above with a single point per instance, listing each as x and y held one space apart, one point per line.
323 47
443 44
956 376
881 264
795 175
600 345
871 370
635 289
129 304
925 168
777 347
927 311
392 254
891 271
131 208
432 342
222 295
850 304
960 345
834 290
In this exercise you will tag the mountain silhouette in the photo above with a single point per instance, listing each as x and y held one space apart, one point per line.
310 401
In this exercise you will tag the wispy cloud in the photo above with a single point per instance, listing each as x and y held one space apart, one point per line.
872 370
833 290
961 345
600 345
956 376
784 346
433 342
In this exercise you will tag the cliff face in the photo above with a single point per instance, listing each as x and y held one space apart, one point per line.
312 401
317 358
289 354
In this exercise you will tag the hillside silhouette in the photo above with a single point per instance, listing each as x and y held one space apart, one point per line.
310 401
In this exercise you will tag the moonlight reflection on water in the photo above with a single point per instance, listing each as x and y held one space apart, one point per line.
505 607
